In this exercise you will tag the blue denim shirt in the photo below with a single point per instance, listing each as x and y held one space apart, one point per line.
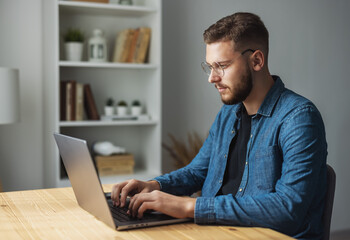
284 180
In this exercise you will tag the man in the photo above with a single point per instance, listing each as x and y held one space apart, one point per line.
264 161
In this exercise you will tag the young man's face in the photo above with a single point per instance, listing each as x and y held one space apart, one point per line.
236 83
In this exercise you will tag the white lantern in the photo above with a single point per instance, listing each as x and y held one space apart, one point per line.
97 47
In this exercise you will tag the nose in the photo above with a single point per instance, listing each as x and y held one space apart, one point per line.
214 77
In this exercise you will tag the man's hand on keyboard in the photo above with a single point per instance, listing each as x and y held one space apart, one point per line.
131 187
175 206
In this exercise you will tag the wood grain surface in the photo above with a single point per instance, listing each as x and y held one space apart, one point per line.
55 214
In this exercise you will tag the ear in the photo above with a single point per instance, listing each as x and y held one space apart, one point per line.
257 60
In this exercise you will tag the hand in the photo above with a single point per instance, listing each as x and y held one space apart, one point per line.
178 207
129 188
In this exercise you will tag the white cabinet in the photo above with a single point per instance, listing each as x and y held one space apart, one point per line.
122 81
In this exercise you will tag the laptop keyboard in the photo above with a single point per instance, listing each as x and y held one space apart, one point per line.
119 213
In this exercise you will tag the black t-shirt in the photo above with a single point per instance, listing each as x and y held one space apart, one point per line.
237 157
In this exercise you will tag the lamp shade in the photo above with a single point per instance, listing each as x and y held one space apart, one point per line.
9 95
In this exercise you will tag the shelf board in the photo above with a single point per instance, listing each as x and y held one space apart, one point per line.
84 64
139 174
72 7
89 123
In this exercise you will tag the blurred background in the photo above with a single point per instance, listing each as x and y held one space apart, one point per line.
309 49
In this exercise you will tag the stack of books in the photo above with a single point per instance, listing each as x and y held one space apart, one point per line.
115 164
131 45
74 98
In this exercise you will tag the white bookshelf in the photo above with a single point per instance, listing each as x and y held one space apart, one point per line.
108 9
138 174
107 65
122 81
107 123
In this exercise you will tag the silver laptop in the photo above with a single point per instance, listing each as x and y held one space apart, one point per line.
89 193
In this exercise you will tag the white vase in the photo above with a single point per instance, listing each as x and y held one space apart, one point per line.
109 110
74 51
97 47
136 110
122 110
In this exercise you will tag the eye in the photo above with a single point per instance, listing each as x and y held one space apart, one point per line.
216 65
223 66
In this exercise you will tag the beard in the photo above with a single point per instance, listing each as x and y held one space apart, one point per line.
241 90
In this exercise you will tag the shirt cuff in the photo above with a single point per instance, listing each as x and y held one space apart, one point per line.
164 183
159 182
204 211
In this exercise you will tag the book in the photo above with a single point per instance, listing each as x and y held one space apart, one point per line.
63 86
132 48
89 103
127 45
70 100
79 102
119 46
142 117
132 45
142 45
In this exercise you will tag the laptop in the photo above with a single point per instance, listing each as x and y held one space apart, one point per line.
89 193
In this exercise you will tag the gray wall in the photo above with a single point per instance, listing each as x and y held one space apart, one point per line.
21 144
310 46
309 49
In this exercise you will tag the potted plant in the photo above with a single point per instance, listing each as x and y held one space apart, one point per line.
125 2
74 39
122 108
136 108
109 107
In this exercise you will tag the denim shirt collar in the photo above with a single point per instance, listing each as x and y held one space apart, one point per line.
270 100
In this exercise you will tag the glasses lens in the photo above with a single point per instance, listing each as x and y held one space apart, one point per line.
218 69
206 68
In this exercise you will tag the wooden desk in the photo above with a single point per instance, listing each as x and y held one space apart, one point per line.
55 214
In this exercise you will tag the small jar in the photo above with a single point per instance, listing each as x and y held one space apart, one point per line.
97 47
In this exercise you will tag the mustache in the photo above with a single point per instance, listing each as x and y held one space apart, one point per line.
220 86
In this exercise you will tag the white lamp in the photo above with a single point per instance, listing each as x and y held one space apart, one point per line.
9 95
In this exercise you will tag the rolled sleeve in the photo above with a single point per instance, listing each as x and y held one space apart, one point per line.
204 212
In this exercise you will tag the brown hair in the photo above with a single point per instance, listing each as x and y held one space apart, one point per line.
246 30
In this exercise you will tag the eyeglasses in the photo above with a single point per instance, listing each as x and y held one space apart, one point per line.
219 67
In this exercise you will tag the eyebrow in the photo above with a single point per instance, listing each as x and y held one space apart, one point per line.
220 62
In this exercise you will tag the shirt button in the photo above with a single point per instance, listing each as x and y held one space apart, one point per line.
220 181
251 136
225 156
246 163
233 131
240 189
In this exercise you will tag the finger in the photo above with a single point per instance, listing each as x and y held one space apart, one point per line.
137 200
115 195
134 205
145 190
140 200
130 186
144 207
131 204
